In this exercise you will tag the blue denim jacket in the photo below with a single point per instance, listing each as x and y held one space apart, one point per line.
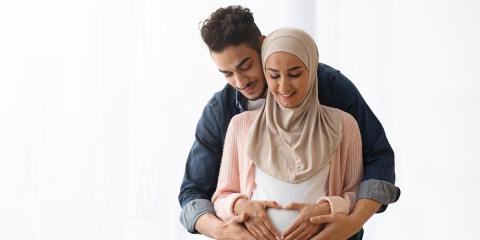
335 90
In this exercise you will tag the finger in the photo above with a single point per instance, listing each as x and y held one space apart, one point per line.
306 234
302 236
271 228
322 219
266 232
251 228
293 226
240 218
294 206
258 232
243 233
271 204
295 233
291 229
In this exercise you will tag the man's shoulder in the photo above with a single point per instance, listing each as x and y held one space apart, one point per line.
331 76
225 98
325 69
334 88
227 92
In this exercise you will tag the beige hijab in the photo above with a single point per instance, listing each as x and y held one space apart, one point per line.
294 144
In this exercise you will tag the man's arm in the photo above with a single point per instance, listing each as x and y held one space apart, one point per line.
338 91
341 226
208 224
201 170
200 179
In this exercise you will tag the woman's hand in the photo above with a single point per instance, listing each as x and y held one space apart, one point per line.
258 222
302 228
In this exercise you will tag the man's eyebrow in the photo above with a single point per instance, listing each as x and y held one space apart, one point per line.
238 65
242 62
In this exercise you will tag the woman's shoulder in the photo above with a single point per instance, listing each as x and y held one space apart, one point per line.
241 122
244 118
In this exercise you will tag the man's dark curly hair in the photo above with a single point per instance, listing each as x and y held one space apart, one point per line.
230 26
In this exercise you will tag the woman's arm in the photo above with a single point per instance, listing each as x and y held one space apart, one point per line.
352 167
228 200
228 186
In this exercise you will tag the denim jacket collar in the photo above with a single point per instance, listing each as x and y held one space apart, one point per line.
240 101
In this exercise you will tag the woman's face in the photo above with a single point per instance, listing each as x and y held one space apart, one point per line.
287 78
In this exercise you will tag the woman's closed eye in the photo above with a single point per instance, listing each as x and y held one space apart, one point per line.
295 75
274 76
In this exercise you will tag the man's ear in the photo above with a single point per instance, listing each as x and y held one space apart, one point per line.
261 38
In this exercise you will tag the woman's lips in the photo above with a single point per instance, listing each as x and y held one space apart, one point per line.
287 97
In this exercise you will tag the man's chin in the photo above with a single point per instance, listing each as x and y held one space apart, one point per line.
253 97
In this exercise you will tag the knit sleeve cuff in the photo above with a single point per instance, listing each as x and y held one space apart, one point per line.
338 205
224 206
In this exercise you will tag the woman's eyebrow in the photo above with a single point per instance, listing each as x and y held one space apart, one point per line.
290 69
293 68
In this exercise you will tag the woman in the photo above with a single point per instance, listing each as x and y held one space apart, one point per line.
292 151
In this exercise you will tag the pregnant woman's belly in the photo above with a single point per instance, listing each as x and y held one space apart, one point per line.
272 189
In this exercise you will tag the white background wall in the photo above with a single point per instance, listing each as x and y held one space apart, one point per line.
99 100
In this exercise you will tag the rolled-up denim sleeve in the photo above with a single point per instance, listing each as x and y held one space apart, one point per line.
192 211
380 191
201 170
378 156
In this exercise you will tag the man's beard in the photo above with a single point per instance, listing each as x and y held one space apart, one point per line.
261 95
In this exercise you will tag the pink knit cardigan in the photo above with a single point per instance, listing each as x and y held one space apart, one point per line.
237 172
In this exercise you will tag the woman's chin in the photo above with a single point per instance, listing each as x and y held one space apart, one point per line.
282 218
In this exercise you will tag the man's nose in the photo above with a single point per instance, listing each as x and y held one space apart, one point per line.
240 81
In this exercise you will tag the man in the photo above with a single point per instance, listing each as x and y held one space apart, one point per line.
234 42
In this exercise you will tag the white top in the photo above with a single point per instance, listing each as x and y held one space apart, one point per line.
256 104
272 189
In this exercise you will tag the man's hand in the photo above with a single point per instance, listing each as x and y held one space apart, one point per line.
233 229
340 226
209 225
302 228
258 222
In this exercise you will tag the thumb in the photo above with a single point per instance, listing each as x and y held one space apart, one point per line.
322 219
240 218
294 206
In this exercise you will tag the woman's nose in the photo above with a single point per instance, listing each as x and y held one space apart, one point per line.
284 85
